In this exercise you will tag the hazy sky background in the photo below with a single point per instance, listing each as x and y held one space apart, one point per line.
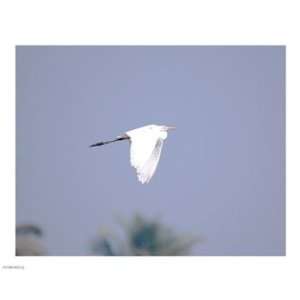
221 173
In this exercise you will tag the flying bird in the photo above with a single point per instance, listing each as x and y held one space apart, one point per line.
145 148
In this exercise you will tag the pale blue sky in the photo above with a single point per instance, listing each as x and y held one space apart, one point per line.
222 171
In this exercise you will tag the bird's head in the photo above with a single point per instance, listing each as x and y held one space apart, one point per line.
167 128
163 131
159 128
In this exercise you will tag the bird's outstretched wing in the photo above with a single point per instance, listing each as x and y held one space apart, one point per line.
144 157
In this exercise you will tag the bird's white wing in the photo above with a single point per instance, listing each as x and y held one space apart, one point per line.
142 144
146 172
144 156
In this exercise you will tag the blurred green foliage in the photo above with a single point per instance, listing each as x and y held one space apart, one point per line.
142 236
138 236
28 240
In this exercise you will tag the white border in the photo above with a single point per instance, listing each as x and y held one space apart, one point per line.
148 22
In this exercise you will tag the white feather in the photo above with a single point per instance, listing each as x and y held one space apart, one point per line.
145 150
146 172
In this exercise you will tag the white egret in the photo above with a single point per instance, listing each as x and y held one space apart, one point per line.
145 148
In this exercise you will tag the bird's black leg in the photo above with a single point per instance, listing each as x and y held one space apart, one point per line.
119 138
